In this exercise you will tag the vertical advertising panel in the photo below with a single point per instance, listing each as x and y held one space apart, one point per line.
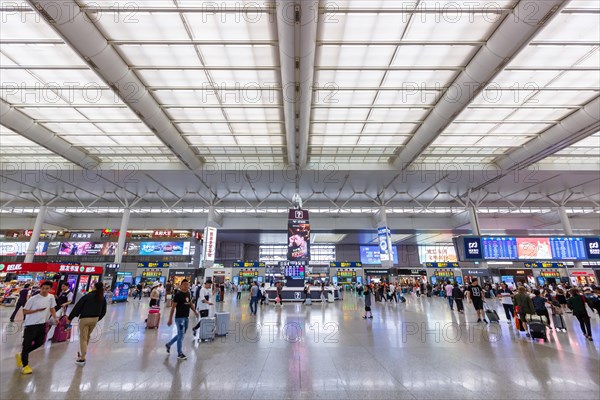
298 236
210 243
385 244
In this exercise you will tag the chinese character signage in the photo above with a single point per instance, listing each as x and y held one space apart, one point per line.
162 233
210 243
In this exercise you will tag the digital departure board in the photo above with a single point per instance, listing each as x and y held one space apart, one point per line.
294 272
567 248
499 248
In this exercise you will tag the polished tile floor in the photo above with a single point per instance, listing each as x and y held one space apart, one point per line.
416 350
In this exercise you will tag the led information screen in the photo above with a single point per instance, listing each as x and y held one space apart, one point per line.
473 248
87 249
248 264
153 264
592 248
345 264
533 248
298 236
20 248
294 271
164 248
567 248
437 253
370 255
499 248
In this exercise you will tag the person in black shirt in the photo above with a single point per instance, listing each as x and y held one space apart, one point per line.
182 302
20 301
458 296
475 295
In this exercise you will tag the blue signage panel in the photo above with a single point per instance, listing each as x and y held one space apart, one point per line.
567 248
473 248
442 265
499 248
248 264
592 248
154 264
345 264
544 265
370 255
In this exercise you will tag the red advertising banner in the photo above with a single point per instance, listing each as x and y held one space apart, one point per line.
18 268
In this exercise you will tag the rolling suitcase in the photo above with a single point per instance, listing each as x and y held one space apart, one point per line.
491 315
206 331
153 319
559 322
222 321
330 297
537 329
62 333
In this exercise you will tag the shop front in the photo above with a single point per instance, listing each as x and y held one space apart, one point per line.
411 277
345 273
246 276
515 276
151 277
176 276
548 273
377 275
582 277
440 276
481 274
218 275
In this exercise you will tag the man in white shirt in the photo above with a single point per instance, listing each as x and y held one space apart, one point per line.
204 302
448 288
37 310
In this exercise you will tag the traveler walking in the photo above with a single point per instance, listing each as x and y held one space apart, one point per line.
523 301
154 296
449 288
475 296
458 297
368 312
90 309
505 295
182 303
577 304
254 294
204 302
239 291
37 310
23 295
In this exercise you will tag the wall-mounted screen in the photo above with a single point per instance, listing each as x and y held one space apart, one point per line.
87 249
20 248
164 248
534 248
437 253
370 255
499 248
567 248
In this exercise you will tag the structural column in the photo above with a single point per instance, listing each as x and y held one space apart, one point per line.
35 236
122 235
567 228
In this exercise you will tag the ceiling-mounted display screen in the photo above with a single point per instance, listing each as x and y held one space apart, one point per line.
20 248
437 253
370 255
534 248
499 248
87 249
567 248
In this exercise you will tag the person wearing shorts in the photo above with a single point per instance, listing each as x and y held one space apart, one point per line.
475 296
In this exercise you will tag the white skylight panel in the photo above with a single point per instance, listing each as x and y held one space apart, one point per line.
562 97
10 138
451 26
238 55
43 95
230 26
202 114
186 97
340 114
354 56
143 26
245 78
348 79
41 54
123 127
567 27
177 78
466 5
256 128
464 129
578 79
54 114
540 114
333 140
504 141
335 97
590 141
494 96
521 128
389 128
25 25
253 114
407 97
70 78
382 140
16 78
552 56
455 141
79 128
160 55
335 5
522 80
133 140
415 80
204 128
336 128
256 140
208 140
96 140
106 113
484 114
362 27
398 114
439 56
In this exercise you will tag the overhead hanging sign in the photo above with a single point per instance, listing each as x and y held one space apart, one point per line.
153 264
298 236
544 265
345 264
248 264
385 244
210 243
442 265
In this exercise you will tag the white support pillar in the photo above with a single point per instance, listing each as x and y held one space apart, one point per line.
122 235
568 228
35 236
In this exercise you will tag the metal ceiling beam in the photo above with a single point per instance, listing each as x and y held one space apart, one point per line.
76 29
285 10
30 129
513 34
